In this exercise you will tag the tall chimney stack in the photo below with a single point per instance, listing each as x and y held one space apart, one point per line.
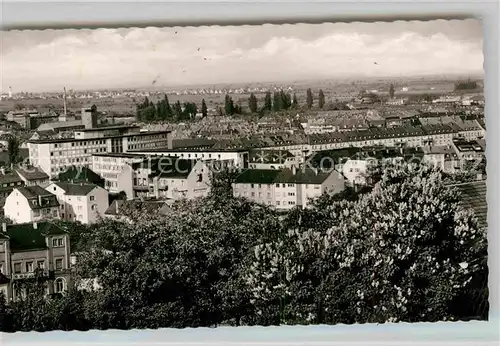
4 227
35 225
64 99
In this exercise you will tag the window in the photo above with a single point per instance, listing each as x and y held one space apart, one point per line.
253 194
40 264
1 268
277 202
93 207
29 267
92 198
59 264
57 242
59 285
251 186
291 194
277 185
17 268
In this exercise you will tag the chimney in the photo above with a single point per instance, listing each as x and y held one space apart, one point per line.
294 169
4 227
39 200
35 225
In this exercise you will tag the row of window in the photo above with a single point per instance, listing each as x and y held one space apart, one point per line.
79 143
29 266
18 183
77 152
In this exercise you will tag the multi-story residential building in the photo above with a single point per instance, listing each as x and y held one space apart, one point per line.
166 177
284 189
468 152
32 176
81 202
31 204
239 157
33 249
443 157
53 156
110 165
272 159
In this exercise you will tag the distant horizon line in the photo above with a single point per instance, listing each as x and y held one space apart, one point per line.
474 75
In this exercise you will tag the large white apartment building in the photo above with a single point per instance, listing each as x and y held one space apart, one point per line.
53 156
287 188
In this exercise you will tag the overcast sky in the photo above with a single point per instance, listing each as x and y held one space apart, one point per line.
114 58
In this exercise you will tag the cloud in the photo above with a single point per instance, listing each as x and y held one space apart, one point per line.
107 58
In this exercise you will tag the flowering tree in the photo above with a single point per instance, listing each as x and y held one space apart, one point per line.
403 252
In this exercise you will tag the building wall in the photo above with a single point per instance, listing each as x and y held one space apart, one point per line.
335 183
110 167
355 171
97 203
17 208
125 181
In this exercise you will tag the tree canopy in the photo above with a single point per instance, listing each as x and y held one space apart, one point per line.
404 251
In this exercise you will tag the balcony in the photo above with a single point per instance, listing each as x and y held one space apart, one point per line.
31 275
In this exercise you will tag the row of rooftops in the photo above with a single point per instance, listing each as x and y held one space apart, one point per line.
286 176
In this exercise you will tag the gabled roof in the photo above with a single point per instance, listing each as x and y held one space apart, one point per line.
76 189
23 237
31 173
35 192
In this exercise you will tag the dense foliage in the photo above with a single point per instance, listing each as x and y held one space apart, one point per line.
404 251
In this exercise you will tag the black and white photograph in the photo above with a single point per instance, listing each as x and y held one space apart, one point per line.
252 175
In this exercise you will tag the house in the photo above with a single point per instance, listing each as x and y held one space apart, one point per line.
165 177
32 176
31 204
29 249
81 202
286 188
